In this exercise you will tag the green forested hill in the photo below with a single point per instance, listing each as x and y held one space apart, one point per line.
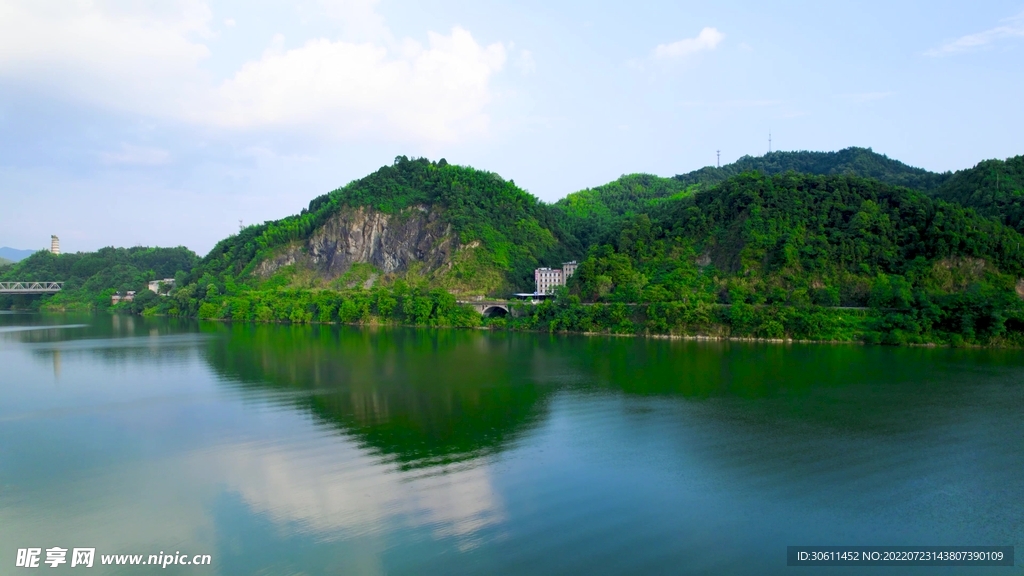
780 252
514 227
853 161
591 214
514 231
506 231
827 224
91 277
995 188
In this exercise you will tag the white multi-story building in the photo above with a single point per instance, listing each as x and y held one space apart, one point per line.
568 269
548 278
154 285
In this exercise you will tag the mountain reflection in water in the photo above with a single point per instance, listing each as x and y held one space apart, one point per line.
333 449
419 398
425 398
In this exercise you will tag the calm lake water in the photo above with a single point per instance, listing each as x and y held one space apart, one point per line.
339 450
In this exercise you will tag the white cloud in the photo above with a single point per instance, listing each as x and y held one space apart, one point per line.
230 22
434 93
1013 28
525 63
148 60
140 60
358 19
285 485
708 39
136 156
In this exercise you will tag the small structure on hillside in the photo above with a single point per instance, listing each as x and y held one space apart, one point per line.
548 278
128 296
531 297
166 283
54 244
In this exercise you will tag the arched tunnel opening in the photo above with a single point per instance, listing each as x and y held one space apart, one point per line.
495 312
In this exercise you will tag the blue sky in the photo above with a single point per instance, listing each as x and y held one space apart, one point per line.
166 122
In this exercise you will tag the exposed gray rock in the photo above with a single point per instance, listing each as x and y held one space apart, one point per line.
389 242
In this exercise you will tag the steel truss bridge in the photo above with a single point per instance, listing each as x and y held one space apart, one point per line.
30 287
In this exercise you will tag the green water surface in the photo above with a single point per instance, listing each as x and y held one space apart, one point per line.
339 450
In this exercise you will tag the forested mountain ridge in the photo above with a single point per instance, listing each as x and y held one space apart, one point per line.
593 213
995 188
863 162
826 224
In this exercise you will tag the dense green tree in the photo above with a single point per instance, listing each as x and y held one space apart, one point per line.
863 162
995 188
89 277
774 253
593 214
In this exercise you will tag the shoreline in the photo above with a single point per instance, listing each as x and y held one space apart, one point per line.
689 337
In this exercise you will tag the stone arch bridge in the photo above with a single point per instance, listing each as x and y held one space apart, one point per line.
489 308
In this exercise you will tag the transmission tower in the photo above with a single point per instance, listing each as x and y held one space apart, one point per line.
718 162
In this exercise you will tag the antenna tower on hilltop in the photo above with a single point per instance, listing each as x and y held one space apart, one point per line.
718 162
769 141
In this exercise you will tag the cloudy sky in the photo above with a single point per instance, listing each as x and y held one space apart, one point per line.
165 122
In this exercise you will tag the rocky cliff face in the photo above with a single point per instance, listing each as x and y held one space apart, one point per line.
392 243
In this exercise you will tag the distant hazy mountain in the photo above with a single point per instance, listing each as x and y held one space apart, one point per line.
15 255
